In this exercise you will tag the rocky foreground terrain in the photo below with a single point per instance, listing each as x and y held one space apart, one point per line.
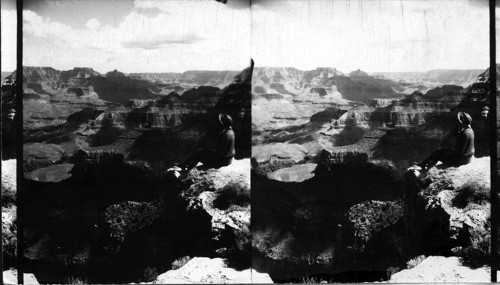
9 214
103 207
333 199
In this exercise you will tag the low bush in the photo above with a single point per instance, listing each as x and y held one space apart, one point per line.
180 262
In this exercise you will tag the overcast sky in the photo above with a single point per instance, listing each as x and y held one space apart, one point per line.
371 35
179 35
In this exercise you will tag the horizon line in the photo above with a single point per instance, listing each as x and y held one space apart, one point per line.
256 67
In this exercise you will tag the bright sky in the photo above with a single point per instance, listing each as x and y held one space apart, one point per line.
8 39
137 36
371 35
179 35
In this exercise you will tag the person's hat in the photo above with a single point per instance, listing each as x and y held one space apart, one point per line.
225 120
485 108
464 118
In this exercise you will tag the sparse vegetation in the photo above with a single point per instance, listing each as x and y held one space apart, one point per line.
472 192
236 193
76 281
150 274
180 262
312 280
391 270
415 261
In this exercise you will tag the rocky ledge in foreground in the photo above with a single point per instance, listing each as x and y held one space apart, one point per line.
9 213
442 269
203 270
224 194
448 211
214 205
10 278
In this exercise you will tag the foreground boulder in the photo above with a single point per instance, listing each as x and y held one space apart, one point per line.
448 210
442 269
203 270
223 194
10 278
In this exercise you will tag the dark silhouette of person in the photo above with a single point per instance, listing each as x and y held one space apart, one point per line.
216 148
483 133
9 118
464 147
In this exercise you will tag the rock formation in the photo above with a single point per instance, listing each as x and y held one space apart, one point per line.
442 269
9 214
454 202
203 270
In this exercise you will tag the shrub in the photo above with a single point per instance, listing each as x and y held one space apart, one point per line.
478 252
150 274
180 262
391 270
415 261
76 281
235 193
312 280
471 192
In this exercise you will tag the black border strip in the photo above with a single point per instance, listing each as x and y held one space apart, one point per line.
1 151
493 145
19 141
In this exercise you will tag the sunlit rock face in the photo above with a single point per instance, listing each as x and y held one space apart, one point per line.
454 203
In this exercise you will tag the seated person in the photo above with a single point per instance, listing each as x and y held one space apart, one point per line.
217 146
464 148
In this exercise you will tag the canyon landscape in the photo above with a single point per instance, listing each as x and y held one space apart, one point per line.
236 141
334 195
99 196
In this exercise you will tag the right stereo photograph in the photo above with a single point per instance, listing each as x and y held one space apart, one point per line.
371 129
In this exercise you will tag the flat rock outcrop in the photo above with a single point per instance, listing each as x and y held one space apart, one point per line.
10 278
442 269
203 270
296 173
53 173
37 155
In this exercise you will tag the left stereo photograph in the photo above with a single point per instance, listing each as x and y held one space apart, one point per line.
136 142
